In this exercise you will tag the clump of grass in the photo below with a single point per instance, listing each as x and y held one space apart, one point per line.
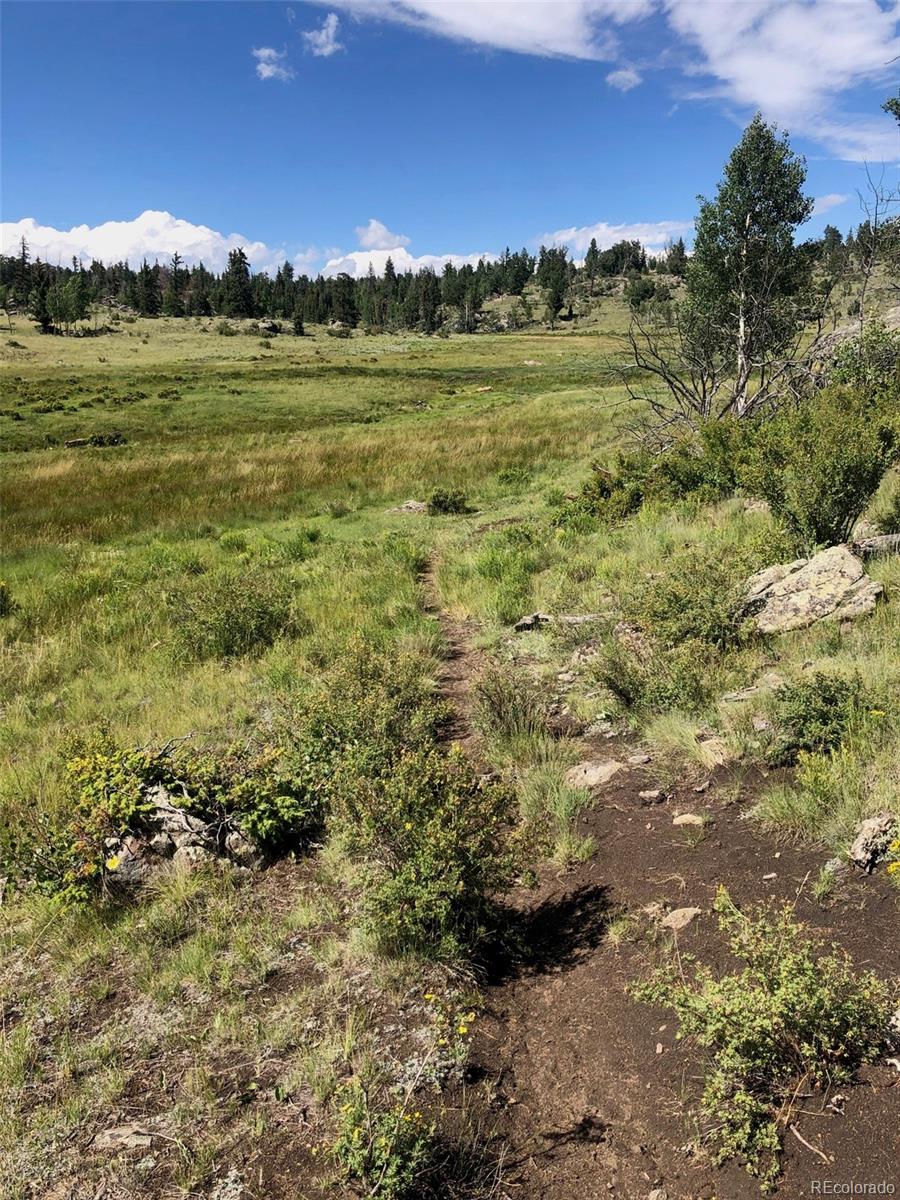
510 713
793 1011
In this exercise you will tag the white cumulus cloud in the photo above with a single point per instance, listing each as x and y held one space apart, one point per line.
624 79
793 59
272 64
824 204
154 235
357 262
376 236
653 235
324 42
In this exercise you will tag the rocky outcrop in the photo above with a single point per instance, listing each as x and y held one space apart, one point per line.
832 585
170 833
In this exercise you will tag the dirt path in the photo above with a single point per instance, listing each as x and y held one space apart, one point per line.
462 663
590 1090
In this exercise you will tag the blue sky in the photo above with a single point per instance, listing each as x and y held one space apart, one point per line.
336 133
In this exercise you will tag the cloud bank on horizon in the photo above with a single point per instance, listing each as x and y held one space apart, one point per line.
158 235
794 60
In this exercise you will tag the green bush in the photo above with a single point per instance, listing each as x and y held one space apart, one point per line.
869 362
7 604
444 503
435 843
665 679
814 716
702 465
793 1012
387 1149
697 598
232 612
507 708
819 464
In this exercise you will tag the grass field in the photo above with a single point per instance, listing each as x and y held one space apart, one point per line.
267 473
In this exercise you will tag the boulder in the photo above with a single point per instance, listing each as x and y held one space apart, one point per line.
872 839
532 621
832 585
679 918
593 774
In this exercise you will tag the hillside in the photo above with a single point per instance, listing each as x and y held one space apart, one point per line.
243 567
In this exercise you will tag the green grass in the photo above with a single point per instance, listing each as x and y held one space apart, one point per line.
270 477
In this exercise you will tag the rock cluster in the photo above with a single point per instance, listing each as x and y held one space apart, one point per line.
169 832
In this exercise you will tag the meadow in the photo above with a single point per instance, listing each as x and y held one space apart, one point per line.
200 579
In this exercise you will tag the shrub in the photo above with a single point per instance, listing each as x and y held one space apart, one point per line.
434 840
339 331
223 329
388 1149
232 612
702 465
869 362
507 708
662 680
793 1011
814 715
697 598
260 788
443 503
818 464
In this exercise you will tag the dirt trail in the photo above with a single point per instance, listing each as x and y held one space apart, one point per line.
590 1090
462 663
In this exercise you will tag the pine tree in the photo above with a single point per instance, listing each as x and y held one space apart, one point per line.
172 304
677 259
147 296
237 290
592 264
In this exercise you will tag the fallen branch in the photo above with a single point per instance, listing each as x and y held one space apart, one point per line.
803 1142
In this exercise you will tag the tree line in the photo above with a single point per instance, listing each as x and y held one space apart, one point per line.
59 298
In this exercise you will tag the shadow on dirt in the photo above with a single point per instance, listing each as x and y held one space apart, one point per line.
554 936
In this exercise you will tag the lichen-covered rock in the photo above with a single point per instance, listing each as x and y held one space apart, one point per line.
831 585
873 837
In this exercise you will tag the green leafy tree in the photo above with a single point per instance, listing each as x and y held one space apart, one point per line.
747 278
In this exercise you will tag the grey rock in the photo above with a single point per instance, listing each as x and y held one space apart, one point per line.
123 1137
687 819
189 858
410 508
532 621
871 841
593 774
831 585
242 848
162 845
638 760
651 795
835 866
679 918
